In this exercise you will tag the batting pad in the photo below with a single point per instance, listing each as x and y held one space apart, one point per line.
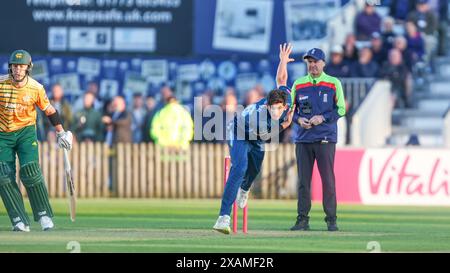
32 179
12 198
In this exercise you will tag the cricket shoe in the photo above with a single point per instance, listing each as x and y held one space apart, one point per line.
46 223
332 226
223 224
241 198
301 224
21 227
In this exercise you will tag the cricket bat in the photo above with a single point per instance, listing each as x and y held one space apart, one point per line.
69 185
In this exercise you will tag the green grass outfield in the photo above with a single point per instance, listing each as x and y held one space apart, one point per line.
157 225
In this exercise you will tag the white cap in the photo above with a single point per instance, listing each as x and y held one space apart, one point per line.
337 49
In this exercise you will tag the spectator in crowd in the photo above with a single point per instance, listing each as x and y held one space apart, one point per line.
388 34
379 51
118 122
206 100
165 94
426 22
229 108
64 109
400 43
79 103
350 49
399 9
337 67
252 96
138 113
172 126
415 42
367 22
260 89
440 9
366 67
230 101
87 125
413 140
397 73
150 105
156 104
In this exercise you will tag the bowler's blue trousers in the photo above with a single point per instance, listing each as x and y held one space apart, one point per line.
246 161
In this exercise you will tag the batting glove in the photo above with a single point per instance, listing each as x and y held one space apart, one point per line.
64 139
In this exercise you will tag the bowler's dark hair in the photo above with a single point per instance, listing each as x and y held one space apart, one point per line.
277 96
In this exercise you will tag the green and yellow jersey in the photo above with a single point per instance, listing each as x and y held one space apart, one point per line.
18 105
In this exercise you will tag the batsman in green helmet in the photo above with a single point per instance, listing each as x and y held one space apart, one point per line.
19 96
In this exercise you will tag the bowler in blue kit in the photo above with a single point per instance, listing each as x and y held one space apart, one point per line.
256 124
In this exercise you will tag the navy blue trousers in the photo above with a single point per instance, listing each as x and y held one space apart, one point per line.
246 161
307 154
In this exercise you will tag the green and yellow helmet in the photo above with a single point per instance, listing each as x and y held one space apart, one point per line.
20 57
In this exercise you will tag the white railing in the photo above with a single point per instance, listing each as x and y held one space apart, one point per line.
356 89
372 122
447 129
341 25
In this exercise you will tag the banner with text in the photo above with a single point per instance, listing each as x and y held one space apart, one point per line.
390 177
98 26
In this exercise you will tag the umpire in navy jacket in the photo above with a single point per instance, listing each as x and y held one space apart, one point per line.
320 103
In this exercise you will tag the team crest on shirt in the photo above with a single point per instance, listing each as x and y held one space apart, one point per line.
21 108
26 98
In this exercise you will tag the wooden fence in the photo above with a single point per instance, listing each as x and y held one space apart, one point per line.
149 171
